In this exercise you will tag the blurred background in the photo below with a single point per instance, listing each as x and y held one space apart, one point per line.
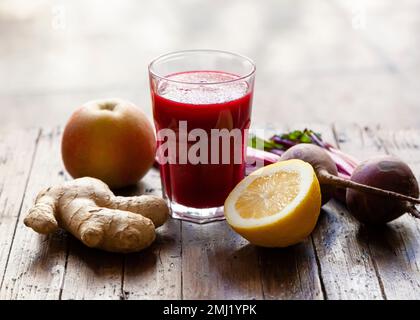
317 61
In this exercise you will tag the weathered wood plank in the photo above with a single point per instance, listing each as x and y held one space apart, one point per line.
404 232
36 264
17 148
290 273
218 264
91 274
347 269
156 272
394 248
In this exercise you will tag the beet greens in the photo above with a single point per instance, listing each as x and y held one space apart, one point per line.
279 143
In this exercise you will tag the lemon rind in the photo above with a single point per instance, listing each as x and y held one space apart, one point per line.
306 176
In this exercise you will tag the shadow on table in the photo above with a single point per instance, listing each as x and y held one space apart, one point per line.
138 262
290 273
386 240
149 184
62 248
133 190
272 273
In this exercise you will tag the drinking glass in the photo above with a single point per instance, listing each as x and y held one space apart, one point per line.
201 108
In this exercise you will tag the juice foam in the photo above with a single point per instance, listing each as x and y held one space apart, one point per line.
202 87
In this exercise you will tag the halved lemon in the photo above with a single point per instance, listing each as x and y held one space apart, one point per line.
277 205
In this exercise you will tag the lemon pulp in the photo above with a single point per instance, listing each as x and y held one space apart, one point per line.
268 195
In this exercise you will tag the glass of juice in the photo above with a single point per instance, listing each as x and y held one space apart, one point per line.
202 109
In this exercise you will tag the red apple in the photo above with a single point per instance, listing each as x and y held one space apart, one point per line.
111 140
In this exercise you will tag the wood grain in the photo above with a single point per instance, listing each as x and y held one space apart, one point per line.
91 274
156 272
218 264
393 247
17 150
347 269
403 235
289 273
36 266
341 260
314 65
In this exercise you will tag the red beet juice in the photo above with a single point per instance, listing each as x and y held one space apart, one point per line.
205 100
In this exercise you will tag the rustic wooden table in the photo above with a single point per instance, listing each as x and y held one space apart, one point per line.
350 71
341 260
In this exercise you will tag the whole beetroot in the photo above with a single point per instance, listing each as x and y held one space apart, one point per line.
320 161
380 189
387 173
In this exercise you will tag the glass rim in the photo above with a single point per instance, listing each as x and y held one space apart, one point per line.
166 55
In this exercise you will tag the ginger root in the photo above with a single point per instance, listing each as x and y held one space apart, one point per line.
88 209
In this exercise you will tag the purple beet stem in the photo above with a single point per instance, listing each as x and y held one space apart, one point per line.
284 142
